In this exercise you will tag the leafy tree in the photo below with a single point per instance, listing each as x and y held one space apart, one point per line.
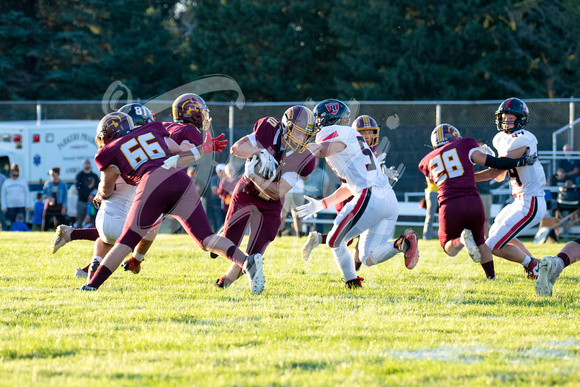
459 50
292 50
20 55
277 50
96 43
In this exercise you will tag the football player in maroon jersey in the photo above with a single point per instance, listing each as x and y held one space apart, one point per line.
257 199
139 157
190 119
461 213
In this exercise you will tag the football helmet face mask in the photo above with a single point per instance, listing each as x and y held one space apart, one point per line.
191 109
365 124
138 113
298 128
113 126
443 134
514 106
331 112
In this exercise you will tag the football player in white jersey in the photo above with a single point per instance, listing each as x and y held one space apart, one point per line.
369 130
527 182
373 211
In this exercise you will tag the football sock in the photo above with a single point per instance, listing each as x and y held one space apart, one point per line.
564 257
527 261
230 253
323 238
138 256
86 268
489 269
85 234
101 275
343 258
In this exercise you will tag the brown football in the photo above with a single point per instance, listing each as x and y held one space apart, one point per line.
257 172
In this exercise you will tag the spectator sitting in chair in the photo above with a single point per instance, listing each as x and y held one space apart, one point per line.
568 168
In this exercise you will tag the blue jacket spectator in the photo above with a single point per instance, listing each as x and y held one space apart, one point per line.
55 195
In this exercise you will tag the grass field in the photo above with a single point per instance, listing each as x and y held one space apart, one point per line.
439 324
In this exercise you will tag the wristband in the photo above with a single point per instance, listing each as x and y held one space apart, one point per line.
195 153
324 204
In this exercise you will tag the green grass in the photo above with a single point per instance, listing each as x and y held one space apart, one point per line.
439 324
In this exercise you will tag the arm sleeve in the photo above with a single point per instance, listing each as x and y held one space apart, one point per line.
501 162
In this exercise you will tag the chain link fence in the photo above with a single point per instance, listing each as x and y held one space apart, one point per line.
406 125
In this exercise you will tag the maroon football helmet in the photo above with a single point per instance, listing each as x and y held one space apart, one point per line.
113 126
191 109
298 127
442 134
367 123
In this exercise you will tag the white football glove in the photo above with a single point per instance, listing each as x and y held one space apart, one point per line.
250 165
269 164
171 162
487 150
381 158
391 173
310 208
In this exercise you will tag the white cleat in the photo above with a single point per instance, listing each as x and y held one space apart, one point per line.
87 288
543 285
469 242
80 273
254 268
60 238
313 241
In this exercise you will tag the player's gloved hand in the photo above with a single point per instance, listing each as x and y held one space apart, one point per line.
312 207
269 164
381 158
487 150
250 165
170 162
97 200
211 144
391 172
527 159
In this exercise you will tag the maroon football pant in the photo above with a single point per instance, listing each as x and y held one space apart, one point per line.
461 213
262 216
170 192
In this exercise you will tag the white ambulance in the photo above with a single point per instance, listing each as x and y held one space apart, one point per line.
38 146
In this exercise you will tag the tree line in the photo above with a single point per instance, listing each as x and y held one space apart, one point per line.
292 50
